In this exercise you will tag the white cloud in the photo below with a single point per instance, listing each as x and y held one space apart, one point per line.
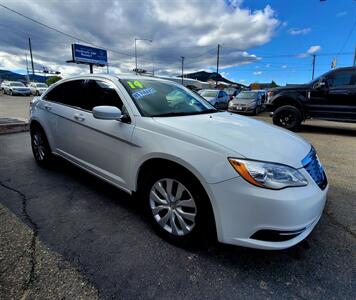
342 14
312 50
284 67
268 65
257 73
299 31
177 28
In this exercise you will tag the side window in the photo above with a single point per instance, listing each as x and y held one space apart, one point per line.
67 93
98 92
339 79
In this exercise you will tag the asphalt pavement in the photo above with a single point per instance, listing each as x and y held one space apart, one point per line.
100 234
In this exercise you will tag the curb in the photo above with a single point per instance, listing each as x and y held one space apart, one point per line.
16 125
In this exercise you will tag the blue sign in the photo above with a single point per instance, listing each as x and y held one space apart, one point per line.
90 55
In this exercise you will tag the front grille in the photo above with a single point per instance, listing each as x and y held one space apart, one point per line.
312 165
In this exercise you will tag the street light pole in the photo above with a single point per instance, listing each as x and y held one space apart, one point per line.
135 56
136 39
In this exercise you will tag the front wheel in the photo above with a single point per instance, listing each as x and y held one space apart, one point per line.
288 117
40 147
177 207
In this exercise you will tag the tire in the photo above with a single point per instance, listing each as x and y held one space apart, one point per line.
40 147
10 93
256 111
37 93
288 117
185 221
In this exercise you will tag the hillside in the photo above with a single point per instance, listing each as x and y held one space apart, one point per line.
8 75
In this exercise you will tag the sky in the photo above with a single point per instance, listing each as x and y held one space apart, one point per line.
260 40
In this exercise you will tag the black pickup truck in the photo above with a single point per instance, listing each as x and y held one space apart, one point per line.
332 96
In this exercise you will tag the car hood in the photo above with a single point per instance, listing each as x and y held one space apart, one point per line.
243 136
296 87
243 100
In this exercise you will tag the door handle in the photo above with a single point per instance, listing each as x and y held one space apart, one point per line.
79 117
48 107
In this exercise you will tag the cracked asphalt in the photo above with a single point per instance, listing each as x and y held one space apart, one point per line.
65 234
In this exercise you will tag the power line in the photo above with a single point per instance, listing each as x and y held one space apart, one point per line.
348 37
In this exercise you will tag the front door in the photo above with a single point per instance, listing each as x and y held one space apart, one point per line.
100 146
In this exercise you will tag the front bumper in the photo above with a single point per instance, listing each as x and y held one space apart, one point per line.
241 109
21 92
242 210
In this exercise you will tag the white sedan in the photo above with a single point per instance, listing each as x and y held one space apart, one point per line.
219 99
38 88
196 170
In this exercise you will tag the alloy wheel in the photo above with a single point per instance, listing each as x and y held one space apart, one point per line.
287 119
173 206
38 146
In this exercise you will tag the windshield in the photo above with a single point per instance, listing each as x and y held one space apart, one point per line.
42 85
16 84
230 91
209 93
158 99
248 95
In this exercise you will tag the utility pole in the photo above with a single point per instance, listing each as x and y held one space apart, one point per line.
217 64
28 78
313 66
33 69
182 57
355 57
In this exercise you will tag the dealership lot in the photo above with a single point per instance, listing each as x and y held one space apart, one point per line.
101 232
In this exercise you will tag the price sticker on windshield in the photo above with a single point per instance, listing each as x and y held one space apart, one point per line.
135 84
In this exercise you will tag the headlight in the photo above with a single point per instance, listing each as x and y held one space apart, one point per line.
268 175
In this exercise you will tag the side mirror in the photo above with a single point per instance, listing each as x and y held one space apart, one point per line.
319 84
107 113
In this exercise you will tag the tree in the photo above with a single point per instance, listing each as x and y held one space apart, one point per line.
53 79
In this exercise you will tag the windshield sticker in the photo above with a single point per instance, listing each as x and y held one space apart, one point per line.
143 93
135 84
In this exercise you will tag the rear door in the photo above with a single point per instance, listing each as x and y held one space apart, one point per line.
100 146
342 94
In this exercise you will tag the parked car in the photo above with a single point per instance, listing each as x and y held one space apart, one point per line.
247 102
232 92
195 169
38 88
16 88
2 86
216 97
332 96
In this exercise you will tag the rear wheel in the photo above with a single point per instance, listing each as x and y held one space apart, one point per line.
10 93
40 146
177 207
288 117
37 93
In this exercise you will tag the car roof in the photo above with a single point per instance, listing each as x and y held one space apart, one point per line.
120 76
